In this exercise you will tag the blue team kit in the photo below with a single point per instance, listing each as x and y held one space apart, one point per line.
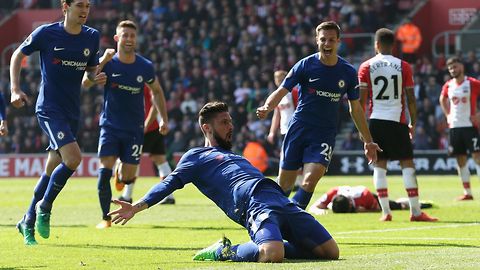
64 58
215 172
312 130
122 117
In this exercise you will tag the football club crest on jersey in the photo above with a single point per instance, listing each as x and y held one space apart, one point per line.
60 135
86 52
341 83
139 79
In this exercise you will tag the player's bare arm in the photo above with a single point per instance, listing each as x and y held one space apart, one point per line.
160 104
151 115
126 211
444 105
99 78
358 117
18 97
271 103
412 109
363 96
274 126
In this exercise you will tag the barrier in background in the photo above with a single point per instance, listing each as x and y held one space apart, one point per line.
32 165
434 162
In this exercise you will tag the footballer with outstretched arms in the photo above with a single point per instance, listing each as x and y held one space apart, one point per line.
244 194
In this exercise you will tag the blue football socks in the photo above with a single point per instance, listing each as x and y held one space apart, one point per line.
302 198
58 179
38 193
104 190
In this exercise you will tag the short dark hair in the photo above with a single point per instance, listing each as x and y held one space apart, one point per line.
210 110
341 204
385 37
453 60
127 24
329 25
68 2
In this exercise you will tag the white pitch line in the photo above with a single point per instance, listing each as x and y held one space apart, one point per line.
410 228
408 238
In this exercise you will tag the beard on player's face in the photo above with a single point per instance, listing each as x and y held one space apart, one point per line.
223 143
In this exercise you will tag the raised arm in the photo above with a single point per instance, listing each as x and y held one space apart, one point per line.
93 75
272 102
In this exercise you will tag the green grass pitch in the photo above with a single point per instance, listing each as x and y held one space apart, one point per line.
166 237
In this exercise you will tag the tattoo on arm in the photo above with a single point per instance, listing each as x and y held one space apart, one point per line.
139 206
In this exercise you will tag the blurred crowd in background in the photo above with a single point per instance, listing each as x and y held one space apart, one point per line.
207 50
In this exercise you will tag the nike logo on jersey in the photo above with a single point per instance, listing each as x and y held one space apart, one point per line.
312 80
58 49
116 74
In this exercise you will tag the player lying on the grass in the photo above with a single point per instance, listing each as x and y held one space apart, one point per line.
347 199
245 195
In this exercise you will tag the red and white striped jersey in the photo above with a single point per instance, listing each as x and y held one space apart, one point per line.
386 78
463 101
286 107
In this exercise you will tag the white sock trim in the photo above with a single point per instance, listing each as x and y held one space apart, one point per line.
409 178
164 169
380 178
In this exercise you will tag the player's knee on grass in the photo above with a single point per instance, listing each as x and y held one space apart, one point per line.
327 251
271 252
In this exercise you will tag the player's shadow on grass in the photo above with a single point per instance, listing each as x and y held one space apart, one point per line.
309 261
53 226
197 228
410 245
21 267
182 228
125 247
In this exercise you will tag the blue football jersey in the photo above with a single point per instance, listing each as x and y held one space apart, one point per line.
224 177
64 58
321 88
123 105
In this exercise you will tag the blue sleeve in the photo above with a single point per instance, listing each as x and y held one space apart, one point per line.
294 76
183 174
3 114
93 61
352 84
150 73
33 42
162 190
